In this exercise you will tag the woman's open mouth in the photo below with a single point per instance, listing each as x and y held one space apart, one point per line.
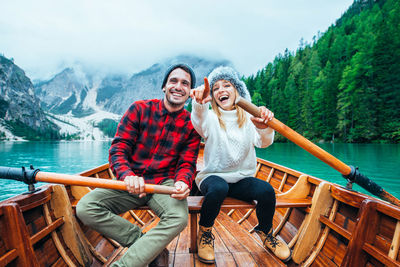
223 98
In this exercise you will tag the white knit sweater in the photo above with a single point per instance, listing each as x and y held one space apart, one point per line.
229 154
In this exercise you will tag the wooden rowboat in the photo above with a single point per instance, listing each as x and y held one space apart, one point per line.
323 223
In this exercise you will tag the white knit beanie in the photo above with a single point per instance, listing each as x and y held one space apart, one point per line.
230 75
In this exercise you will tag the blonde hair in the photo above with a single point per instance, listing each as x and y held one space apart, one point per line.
240 113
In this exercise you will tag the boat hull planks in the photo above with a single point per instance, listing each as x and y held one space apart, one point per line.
333 227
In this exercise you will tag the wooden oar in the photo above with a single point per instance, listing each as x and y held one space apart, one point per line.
31 176
348 172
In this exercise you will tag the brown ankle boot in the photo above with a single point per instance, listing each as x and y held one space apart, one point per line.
277 246
205 245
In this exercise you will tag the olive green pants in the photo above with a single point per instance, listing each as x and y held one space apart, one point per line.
99 210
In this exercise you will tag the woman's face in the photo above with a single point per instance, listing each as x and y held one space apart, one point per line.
224 94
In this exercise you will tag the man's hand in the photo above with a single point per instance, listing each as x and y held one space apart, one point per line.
181 190
135 185
266 116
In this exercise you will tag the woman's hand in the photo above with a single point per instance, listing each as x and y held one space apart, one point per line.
181 190
202 93
266 116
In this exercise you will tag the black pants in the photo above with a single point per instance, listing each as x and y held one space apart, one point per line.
215 190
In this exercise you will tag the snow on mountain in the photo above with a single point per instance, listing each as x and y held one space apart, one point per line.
83 128
77 101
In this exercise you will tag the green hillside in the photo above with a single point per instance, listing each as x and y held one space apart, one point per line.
345 86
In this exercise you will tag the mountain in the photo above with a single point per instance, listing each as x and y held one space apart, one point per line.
65 92
20 112
79 93
88 106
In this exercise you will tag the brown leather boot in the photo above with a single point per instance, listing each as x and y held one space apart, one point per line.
277 246
205 245
161 260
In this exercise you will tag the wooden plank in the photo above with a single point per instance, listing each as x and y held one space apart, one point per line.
240 234
229 241
248 213
184 260
377 254
184 242
290 182
329 248
343 232
283 182
195 202
8 257
394 248
193 232
271 173
344 220
322 260
257 169
55 237
349 197
266 259
91 172
93 251
244 259
321 203
219 242
112 176
322 238
366 229
35 204
279 167
301 189
224 259
46 231
172 245
16 235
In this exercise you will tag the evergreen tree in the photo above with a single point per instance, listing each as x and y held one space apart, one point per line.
345 86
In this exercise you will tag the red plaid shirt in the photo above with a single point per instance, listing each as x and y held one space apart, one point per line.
155 144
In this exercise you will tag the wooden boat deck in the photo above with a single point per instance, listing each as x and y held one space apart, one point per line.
340 228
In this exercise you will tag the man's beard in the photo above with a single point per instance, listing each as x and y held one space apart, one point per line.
174 104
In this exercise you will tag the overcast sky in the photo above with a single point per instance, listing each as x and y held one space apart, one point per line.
128 36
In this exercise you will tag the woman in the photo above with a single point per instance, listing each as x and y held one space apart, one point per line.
230 135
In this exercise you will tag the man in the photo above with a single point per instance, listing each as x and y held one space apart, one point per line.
155 143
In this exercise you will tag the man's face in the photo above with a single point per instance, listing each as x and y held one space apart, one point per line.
177 88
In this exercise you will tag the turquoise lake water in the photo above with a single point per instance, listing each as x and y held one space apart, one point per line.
380 162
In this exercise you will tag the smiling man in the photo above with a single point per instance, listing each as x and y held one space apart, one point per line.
155 143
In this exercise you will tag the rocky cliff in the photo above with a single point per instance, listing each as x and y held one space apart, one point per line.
20 112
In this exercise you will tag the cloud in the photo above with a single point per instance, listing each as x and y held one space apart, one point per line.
128 36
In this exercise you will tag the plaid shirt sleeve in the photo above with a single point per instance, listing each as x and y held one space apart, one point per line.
152 143
186 166
123 143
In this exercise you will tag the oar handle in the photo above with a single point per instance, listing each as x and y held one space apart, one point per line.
349 172
49 177
297 138
31 176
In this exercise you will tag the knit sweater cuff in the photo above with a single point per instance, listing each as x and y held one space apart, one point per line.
267 130
199 107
